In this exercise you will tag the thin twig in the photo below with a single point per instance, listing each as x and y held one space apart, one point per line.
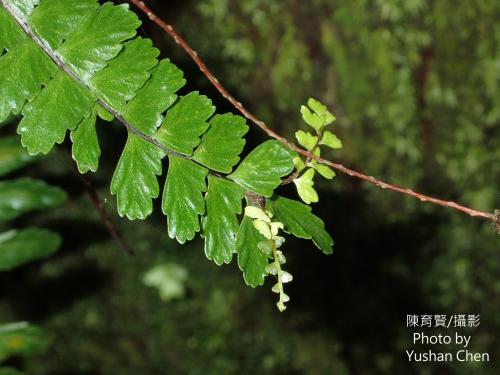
101 210
179 40
103 214
496 221
262 125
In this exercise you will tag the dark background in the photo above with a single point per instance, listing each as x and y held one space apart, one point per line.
415 87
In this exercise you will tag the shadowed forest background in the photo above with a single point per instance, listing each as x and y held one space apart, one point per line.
415 86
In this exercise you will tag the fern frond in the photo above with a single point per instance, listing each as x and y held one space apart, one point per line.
63 64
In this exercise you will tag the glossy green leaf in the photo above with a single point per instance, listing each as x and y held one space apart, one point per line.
306 140
251 260
10 34
300 222
24 195
145 111
18 247
86 150
261 171
222 144
183 200
21 339
220 223
329 139
127 73
185 123
99 40
60 106
23 70
135 181
12 155
55 20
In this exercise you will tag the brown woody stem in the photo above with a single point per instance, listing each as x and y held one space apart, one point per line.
262 125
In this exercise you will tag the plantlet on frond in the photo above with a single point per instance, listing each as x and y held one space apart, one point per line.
317 116
63 64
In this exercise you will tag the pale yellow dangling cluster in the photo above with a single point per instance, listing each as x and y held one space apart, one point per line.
262 221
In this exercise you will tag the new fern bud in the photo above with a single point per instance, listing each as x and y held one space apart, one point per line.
317 116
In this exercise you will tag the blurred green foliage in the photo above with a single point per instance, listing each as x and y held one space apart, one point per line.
415 87
18 247
21 339
169 279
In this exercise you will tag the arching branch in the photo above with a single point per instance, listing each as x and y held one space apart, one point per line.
494 217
